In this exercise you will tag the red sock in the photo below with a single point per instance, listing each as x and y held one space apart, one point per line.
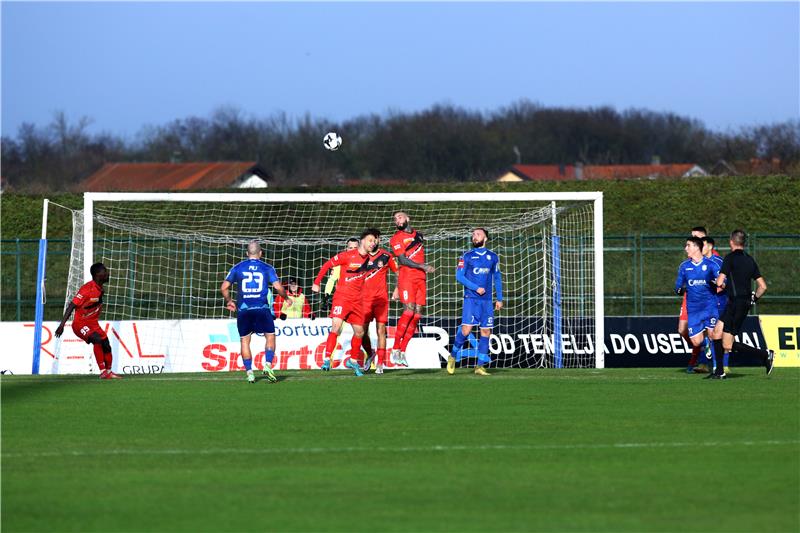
410 330
366 343
355 350
402 325
695 353
381 356
99 357
330 345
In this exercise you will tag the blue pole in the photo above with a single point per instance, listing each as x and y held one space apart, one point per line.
557 300
37 330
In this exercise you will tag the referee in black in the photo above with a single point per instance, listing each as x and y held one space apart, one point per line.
737 272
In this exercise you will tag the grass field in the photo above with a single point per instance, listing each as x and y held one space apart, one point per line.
554 450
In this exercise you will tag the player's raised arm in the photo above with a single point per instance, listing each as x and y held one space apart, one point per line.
330 263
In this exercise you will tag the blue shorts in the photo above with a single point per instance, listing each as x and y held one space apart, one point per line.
478 312
702 320
255 321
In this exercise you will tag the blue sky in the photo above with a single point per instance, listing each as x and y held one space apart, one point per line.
127 65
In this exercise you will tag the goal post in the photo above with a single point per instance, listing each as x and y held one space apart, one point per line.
168 253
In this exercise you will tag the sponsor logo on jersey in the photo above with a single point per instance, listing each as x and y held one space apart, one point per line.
695 282
478 271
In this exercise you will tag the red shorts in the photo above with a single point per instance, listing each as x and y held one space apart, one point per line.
378 309
84 329
348 310
684 315
412 291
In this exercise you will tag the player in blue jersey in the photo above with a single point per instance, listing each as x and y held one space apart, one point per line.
477 270
254 278
710 252
697 279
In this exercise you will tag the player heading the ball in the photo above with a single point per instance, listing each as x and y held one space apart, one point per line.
408 245
347 300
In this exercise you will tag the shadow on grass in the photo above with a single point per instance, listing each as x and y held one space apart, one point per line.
13 389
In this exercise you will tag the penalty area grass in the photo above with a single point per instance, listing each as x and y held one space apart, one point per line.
556 450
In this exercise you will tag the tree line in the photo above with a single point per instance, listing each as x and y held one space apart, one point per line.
441 143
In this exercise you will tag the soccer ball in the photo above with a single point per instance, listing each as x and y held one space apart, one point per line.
332 141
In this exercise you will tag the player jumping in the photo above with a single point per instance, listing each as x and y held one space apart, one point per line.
376 304
347 306
407 245
88 304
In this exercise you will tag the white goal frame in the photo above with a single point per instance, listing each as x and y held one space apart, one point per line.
90 198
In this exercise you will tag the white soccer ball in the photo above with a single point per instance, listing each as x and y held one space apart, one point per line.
332 141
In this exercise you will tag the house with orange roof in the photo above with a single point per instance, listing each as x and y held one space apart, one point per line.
600 172
131 177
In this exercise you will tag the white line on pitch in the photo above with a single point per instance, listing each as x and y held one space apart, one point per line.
393 449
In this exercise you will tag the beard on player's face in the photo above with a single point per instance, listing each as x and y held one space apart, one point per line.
478 243
402 226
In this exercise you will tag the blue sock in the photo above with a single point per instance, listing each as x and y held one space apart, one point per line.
269 355
725 358
458 344
247 363
483 351
710 346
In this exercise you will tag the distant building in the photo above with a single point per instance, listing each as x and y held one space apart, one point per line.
176 176
599 172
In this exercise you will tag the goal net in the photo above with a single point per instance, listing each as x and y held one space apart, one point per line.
168 254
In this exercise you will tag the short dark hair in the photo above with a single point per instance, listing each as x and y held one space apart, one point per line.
483 230
351 239
739 237
371 231
701 229
709 240
96 268
697 241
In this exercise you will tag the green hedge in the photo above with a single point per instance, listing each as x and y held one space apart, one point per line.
760 205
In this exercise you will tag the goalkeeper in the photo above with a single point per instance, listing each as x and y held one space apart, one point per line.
476 271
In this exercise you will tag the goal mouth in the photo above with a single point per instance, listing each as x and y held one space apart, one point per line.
168 254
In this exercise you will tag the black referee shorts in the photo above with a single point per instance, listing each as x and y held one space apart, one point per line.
734 315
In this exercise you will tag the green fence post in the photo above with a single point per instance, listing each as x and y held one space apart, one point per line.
19 282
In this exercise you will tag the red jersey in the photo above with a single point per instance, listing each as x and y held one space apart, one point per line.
88 302
351 280
410 245
375 281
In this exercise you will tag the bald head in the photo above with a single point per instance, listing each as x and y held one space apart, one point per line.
254 249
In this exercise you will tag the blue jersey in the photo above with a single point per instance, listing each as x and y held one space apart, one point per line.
699 280
255 277
722 298
478 268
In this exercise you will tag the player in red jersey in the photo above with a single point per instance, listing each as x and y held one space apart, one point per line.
407 245
376 303
346 305
87 305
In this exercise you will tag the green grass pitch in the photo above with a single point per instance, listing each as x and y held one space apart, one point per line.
553 450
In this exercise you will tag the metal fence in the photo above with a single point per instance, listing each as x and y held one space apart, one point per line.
640 273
